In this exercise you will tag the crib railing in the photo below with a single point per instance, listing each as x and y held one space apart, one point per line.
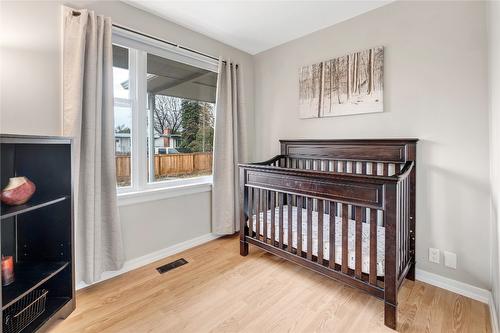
370 196
381 168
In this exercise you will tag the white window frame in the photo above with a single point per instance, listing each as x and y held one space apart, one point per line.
141 189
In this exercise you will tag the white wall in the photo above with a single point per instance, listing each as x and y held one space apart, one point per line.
151 226
31 103
435 90
494 85
30 85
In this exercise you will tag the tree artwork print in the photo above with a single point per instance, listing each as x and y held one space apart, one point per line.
351 84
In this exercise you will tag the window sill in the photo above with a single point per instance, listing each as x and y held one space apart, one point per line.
131 198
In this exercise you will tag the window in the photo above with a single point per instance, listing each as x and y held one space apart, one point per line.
164 103
180 106
123 115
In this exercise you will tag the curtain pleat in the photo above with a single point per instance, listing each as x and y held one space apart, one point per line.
88 117
229 149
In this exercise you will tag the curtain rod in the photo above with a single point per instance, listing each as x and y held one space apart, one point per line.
166 42
77 13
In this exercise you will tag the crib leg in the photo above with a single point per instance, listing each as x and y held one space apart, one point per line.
391 246
243 216
411 272
243 241
243 248
390 312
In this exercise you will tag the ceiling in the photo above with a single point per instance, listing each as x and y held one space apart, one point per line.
255 26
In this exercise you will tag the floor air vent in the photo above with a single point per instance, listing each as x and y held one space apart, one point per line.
172 265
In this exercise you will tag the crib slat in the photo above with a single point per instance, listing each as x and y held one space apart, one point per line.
257 213
399 210
320 232
309 228
405 208
331 240
401 224
358 242
290 222
250 211
405 222
273 218
363 168
335 166
265 210
280 228
385 170
373 246
300 201
401 227
345 235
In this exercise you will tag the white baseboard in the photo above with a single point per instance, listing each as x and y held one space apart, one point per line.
493 314
464 289
152 257
461 288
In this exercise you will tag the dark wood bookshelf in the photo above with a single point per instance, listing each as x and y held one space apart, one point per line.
34 203
29 276
39 234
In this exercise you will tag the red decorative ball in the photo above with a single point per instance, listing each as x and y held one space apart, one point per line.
18 191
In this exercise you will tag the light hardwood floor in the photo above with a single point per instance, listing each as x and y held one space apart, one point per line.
220 291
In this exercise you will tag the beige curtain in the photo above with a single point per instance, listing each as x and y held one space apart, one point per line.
229 149
88 116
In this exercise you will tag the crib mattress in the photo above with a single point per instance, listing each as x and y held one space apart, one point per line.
365 266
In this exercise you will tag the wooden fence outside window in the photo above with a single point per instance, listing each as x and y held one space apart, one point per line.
169 165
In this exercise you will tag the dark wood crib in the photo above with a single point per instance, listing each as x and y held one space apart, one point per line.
350 200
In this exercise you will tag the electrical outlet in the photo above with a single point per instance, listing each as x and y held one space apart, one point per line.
434 255
450 259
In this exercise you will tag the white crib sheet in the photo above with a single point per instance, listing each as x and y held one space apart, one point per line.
365 267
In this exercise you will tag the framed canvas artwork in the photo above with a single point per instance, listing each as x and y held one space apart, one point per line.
351 84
